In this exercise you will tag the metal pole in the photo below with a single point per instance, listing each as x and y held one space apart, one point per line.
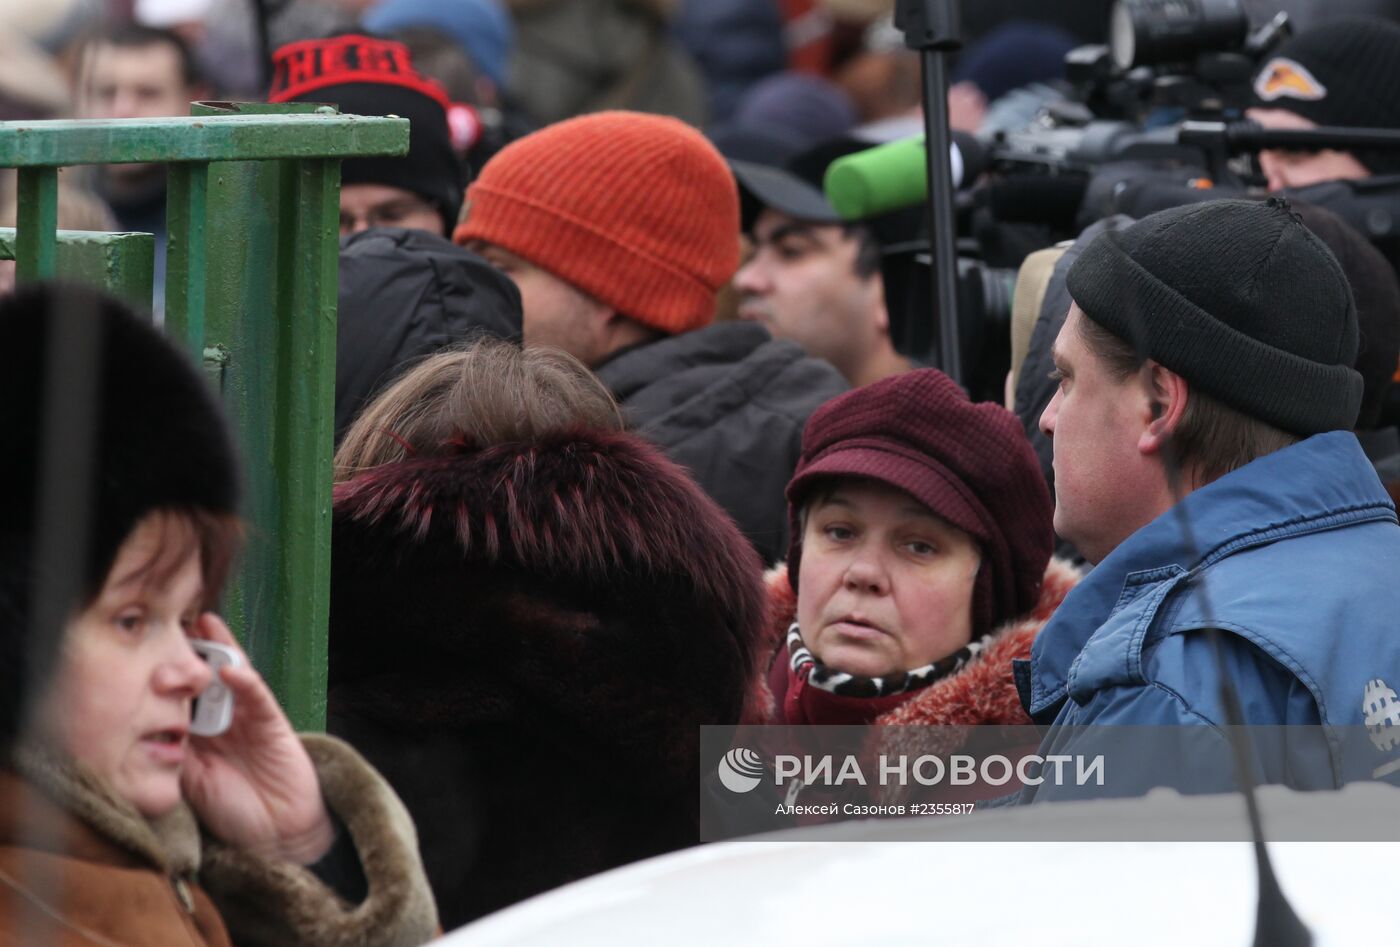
932 26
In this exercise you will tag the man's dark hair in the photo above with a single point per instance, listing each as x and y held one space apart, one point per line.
868 254
1212 437
136 36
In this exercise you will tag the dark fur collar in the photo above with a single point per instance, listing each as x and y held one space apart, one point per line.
579 589
587 506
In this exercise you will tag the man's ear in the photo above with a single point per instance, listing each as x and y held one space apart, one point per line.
615 331
604 322
1167 394
878 305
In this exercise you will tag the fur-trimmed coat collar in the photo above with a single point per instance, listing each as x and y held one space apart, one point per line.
586 552
526 640
79 865
983 692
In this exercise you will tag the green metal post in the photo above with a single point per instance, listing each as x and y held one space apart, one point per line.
245 197
37 217
307 285
121 262
185 258
277 251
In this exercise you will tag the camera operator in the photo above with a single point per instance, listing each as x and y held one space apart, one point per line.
1342 73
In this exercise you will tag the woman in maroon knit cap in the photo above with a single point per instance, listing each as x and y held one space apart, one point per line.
919 565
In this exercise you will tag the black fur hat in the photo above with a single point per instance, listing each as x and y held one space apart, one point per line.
158 441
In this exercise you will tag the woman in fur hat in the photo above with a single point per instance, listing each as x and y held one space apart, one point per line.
532 614
919 566
117 823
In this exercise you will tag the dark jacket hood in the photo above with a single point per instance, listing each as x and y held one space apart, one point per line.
405 294
728 403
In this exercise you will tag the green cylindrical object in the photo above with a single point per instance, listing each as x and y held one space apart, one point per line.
878 180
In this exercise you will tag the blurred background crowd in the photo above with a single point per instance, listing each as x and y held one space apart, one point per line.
759 76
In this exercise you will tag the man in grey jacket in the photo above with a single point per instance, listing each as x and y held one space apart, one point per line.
619 228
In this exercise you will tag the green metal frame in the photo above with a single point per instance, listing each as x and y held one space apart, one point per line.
253 298
119 261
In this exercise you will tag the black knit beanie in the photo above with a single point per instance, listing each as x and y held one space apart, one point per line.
364 75
160 442
1377 295
1240 299
1345 72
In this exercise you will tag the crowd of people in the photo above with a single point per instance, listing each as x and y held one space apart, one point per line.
629 442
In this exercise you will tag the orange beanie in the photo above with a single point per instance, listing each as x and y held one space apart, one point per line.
639 211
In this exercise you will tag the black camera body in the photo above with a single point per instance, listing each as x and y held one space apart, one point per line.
1149 120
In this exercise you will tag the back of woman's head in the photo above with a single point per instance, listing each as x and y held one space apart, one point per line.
493 511
491 392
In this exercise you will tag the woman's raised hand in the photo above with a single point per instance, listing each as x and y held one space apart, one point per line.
254 786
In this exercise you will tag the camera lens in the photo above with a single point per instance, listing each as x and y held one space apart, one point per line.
1151 32
1122 35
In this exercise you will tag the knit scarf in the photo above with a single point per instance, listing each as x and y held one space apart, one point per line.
808 692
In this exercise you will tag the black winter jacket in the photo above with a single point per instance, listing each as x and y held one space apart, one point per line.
405 294
728 402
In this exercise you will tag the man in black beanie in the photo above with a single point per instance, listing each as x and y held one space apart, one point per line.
1204 460
1344 73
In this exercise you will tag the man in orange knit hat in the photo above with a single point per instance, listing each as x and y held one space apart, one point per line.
619 228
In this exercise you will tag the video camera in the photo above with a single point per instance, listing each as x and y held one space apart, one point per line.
1167 62
1157 107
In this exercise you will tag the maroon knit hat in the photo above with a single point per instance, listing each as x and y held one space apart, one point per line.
969 463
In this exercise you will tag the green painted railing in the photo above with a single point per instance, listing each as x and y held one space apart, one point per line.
252 210
122 262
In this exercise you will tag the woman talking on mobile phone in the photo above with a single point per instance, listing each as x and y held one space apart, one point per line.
117 823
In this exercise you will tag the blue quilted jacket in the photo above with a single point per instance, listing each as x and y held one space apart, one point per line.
1296 559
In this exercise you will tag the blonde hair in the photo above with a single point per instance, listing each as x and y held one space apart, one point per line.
490 392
